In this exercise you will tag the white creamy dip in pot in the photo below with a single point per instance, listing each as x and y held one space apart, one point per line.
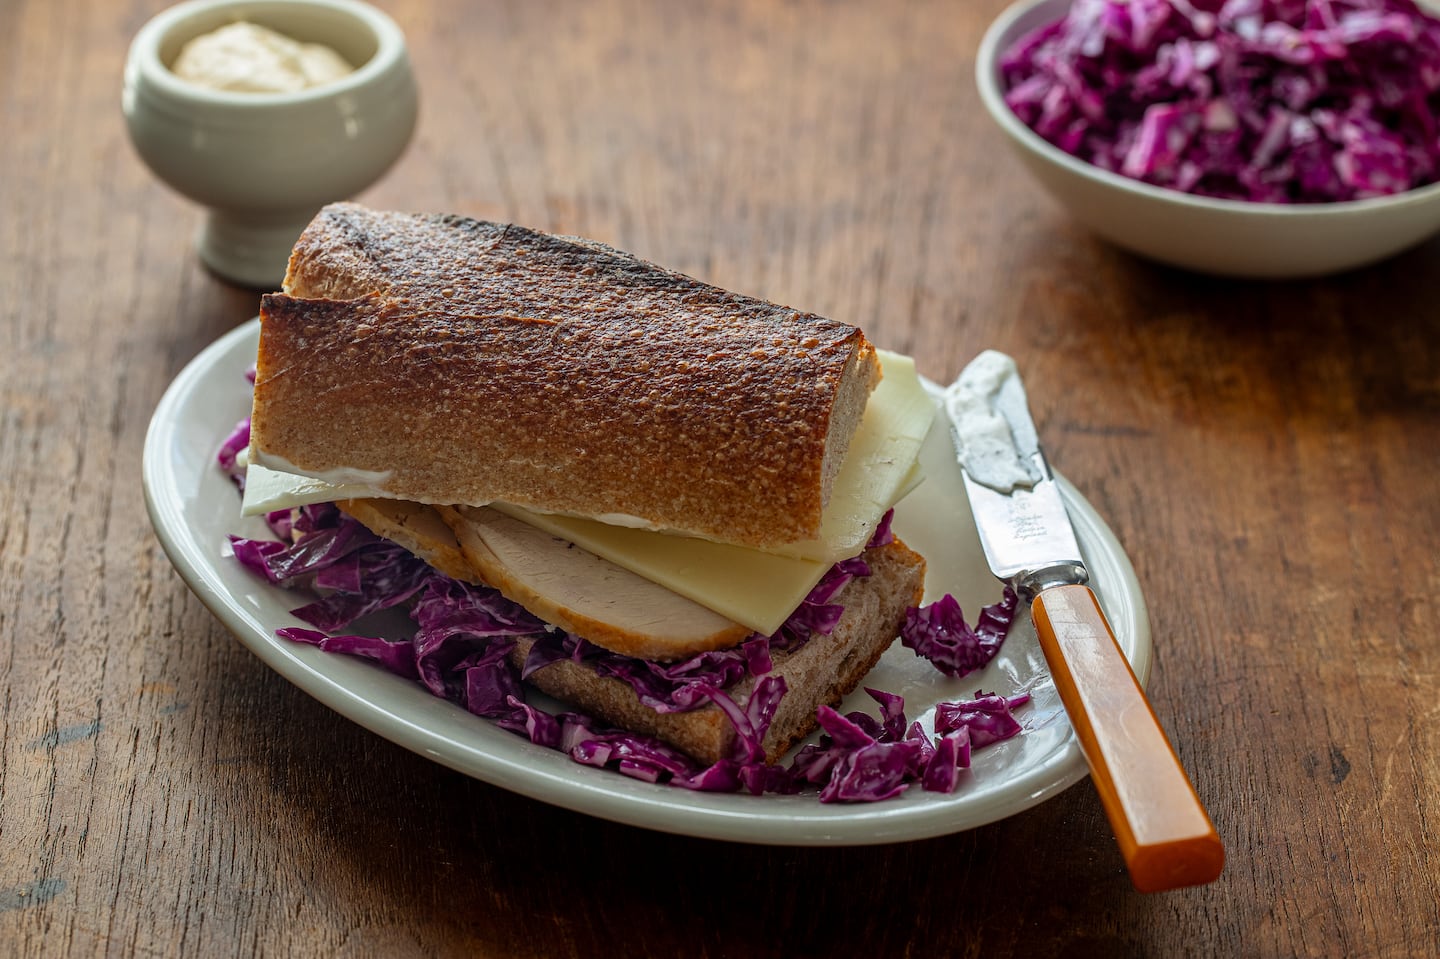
247 58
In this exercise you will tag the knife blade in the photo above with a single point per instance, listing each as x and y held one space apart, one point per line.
1164 833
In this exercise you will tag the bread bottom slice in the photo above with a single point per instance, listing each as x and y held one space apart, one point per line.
823 671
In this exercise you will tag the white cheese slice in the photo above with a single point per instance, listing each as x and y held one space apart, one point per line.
879 466
756 589
267 490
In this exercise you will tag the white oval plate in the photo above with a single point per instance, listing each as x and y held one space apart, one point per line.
193 506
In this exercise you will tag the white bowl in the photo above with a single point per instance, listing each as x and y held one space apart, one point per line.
264 163
1228 237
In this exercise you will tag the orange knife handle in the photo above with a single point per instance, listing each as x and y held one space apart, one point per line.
1164 833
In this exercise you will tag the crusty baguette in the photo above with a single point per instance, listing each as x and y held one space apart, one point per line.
475 362
824 670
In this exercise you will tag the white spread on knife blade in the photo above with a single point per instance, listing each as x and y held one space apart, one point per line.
984 438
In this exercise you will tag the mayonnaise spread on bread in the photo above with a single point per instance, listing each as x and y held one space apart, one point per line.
246 58
371 480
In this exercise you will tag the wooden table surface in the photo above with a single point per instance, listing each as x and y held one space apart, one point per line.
1266 452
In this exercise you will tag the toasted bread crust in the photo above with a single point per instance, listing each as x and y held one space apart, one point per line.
479 362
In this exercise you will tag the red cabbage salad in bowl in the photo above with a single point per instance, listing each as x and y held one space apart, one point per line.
1272 101
464 634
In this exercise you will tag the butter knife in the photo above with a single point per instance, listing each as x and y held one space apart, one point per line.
1164 833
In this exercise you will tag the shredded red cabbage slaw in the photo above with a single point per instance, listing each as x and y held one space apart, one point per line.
1280 101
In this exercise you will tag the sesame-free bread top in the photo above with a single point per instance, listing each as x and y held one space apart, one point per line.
471 362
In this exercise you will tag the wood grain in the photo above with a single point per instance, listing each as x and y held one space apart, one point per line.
1266 452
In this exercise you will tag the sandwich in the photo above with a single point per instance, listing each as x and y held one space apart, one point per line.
654 470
